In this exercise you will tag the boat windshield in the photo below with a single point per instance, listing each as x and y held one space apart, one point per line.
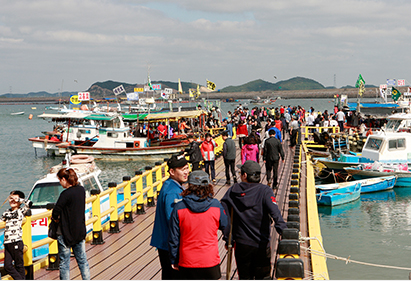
374 144
393 125
44 193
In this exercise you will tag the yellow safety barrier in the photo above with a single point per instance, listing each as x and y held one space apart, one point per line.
307 131
318 263
96 220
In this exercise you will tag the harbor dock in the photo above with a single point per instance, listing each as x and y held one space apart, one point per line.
123 251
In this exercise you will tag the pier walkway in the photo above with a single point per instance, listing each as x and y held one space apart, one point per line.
128 254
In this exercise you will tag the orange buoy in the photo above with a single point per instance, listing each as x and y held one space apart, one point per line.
30 116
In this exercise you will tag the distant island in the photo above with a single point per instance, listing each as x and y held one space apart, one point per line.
297 87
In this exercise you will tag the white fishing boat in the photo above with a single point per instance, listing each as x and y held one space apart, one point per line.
17 113
47 190
68 127
392 144
115 142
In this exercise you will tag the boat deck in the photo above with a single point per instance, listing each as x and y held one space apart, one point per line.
128 254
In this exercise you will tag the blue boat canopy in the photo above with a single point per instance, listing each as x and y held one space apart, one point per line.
353 105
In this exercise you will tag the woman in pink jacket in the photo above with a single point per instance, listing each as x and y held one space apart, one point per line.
249 151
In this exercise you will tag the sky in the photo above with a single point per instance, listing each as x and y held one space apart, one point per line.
67 45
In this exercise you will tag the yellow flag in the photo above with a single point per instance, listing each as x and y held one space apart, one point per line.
210 85
361 89
190 93
180 89
198 93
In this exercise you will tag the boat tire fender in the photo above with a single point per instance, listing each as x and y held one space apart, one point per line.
81 159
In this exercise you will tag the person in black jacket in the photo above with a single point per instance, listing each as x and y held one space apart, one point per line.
71 233
253 206
194 152
273 149
229 153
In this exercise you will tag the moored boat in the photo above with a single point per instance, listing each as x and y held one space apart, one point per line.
115 142
68 127
17 113
377 169
367 185
339 196
46 191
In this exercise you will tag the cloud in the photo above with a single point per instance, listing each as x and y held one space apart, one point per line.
230 42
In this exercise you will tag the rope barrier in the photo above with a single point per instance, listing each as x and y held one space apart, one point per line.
347 260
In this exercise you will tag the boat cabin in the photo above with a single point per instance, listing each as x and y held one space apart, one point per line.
388 147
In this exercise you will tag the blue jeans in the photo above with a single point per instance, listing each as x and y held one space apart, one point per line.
79 251
209 165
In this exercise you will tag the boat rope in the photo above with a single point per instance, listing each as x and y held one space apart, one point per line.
347 260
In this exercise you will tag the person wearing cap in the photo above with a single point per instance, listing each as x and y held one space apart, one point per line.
229 153
13 233
193 236
254 206
272 152
169 193
207 150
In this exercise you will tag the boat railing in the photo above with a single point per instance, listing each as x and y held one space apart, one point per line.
308 131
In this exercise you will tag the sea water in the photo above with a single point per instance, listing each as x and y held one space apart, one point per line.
375 229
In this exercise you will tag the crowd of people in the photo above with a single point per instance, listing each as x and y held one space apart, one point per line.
188 218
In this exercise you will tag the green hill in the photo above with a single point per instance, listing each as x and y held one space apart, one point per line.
296 83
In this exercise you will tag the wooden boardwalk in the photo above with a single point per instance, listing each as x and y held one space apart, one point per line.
128 254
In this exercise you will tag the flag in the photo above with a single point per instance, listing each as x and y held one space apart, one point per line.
190 93
180 88
149 83
361 90
198 93
164 94
359 81
401 82
132 96
383 92
395 94
210 85
118 90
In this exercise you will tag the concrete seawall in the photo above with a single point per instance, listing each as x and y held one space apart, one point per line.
322 93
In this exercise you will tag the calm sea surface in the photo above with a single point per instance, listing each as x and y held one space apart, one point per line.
374 230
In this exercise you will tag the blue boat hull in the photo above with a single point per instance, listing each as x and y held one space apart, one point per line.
339 196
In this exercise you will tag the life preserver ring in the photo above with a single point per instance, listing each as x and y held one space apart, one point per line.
136 144
81 159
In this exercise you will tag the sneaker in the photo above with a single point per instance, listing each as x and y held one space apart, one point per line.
214 181
227 182
269 183
235 180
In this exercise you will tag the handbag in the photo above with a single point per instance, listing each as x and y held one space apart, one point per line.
53 229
